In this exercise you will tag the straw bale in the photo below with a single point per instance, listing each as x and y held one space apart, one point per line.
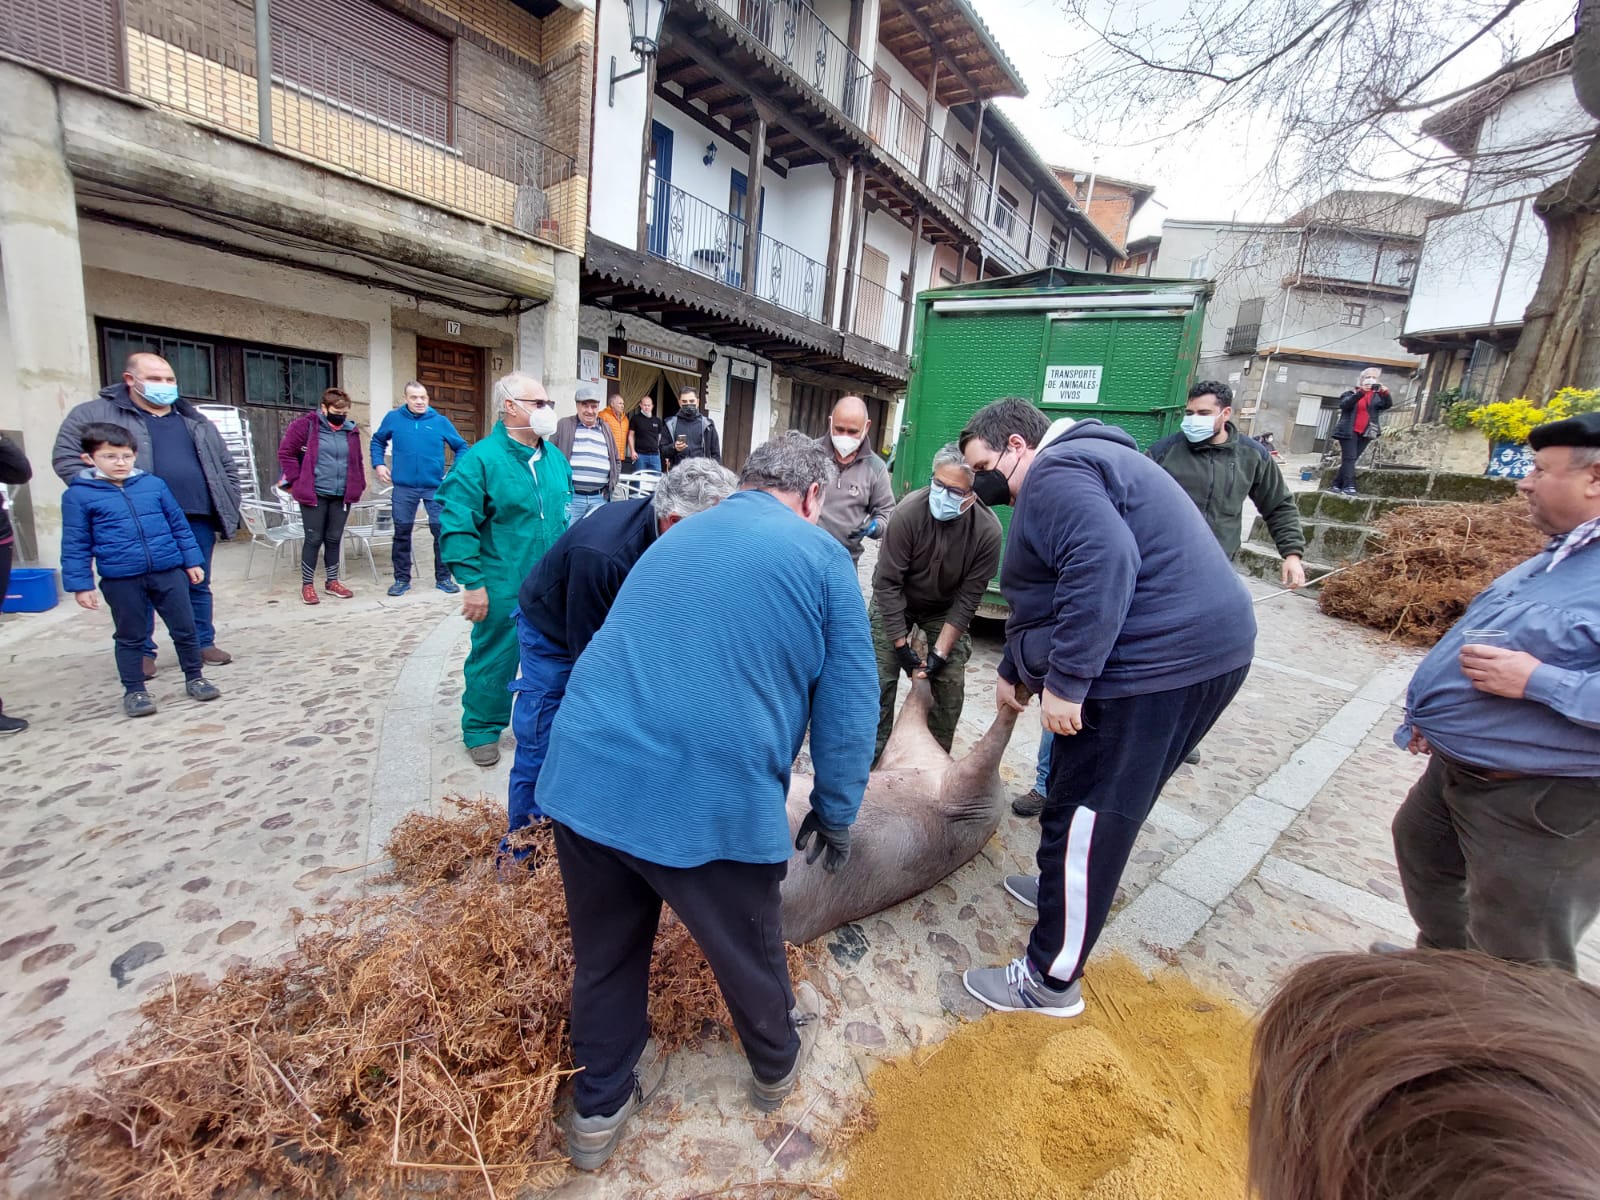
415 1035
1430 562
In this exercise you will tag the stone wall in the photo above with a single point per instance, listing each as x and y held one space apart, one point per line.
1434 447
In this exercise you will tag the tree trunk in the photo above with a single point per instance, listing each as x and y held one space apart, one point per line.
1560 342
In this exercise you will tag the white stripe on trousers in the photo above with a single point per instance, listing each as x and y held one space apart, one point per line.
1075 894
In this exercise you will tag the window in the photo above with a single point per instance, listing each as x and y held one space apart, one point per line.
1252 253
1355 315
1199 266
368 59
1005 213
1058 248
194 363
285 380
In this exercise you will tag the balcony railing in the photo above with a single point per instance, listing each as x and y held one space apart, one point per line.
326 103
687 230
877 313
1242 339
802 41
952 175
897 125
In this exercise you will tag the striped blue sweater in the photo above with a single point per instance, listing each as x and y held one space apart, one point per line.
677 733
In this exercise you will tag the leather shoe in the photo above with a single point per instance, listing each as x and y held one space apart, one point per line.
485 755
334 588
215 656
308 593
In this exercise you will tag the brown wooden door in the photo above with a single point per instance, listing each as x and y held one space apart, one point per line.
738 422
453 375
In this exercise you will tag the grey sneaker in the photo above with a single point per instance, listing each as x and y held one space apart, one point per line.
485 755
1029 804
1017 987
807 1017
139 704
1025 888
590 1140
199 689
1192 758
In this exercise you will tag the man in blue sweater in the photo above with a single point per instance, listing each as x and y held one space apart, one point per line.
1498 843
565 599
1129 624
772 632
415 435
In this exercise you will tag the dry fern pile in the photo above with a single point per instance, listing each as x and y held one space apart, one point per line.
1433 560
411 1037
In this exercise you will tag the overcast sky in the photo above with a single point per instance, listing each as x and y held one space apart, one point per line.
1211 175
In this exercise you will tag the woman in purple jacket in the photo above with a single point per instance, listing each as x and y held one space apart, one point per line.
323 469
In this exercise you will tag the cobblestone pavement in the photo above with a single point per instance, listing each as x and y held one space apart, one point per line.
183 843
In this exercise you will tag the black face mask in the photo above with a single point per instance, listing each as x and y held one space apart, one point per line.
991 487
334 419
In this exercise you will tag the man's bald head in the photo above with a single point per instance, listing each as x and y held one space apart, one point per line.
142 364
847 427
852 409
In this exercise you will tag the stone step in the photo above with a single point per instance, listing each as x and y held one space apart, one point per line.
1440 487
1326 541
1261 560
1352 510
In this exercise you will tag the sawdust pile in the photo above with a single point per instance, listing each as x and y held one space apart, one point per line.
416 1036
1144 1097
1433 561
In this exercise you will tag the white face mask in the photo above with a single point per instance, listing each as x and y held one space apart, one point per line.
846 446
541 420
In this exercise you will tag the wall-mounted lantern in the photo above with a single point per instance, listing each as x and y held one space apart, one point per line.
644 28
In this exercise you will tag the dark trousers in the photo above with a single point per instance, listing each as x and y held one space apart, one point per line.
205 533
613 904
324 527
1350 449
166 592
1104 780
539 687
1510 867
405 500
948 685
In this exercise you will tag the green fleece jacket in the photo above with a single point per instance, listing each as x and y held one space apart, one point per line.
1219 476
500 514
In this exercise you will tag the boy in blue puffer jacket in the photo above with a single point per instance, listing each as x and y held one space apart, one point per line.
128 523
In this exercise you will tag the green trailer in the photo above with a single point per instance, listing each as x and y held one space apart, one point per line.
1117 347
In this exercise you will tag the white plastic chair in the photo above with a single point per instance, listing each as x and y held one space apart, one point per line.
268 526
639 485
371 522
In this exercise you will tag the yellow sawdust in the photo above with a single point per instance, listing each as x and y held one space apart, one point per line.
1144 1097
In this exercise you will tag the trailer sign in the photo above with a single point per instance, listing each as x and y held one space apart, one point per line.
1071 385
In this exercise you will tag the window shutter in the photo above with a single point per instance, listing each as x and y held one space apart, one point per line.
82 38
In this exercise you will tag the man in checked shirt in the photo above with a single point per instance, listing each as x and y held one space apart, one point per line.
1498 843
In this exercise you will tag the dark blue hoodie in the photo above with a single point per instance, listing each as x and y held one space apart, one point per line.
1116 585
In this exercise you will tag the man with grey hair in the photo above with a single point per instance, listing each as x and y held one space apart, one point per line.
656 811
565 599
505 504
940 552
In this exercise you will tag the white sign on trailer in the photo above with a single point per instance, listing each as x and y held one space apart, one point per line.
1071 385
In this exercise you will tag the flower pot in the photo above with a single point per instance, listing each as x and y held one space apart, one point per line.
1509 460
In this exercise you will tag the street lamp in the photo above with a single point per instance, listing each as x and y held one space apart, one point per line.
644 30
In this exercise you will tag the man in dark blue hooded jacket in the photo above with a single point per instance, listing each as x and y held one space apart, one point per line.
1129 624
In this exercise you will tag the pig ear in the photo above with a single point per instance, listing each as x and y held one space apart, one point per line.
911 747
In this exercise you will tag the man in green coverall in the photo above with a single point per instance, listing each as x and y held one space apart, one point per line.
505 504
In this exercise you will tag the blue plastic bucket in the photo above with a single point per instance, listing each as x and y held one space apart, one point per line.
32 589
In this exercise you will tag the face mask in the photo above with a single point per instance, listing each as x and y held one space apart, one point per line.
942 504
541 420
164 394
846 446
688 411
992 488
335 419
1199 428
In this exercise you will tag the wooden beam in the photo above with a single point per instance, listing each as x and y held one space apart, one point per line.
977 148
933 39
858 231
927 120
752 199
835 239
911 287
644 160
740 143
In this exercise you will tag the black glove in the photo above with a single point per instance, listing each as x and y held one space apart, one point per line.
835 841
909 662
936 663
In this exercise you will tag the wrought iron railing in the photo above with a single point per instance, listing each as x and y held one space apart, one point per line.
951 174
1242 339
323 102
790 279
803 41
898 126
877 312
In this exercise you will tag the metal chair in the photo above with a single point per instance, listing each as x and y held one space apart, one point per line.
269 526
638 485
371 522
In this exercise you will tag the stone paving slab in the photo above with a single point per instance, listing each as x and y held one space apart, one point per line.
184 843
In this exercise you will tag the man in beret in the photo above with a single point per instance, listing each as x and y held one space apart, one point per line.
1498 843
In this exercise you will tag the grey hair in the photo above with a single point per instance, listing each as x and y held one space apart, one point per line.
1584 456
949 455
507 386
692 486
790 462
412 383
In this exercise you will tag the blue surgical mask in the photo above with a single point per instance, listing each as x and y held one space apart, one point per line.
164 394
1199 428
943 505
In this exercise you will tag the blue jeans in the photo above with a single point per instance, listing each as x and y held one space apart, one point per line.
538 688
647 462
1041 781
581 506
404 500
205 533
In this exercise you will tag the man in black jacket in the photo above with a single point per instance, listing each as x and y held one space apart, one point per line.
690 433
566 597
176 443
14 469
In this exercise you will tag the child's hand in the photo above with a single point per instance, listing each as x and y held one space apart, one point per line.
89 600
196 574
